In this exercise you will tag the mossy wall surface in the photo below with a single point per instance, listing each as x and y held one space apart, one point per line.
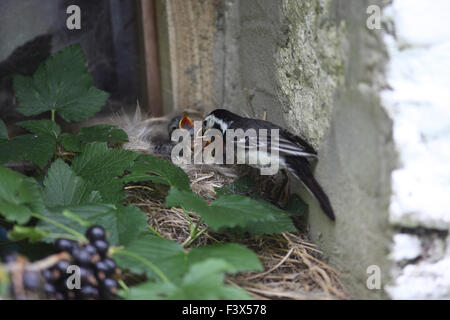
315 68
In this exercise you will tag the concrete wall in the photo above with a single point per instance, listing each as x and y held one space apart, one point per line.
316 68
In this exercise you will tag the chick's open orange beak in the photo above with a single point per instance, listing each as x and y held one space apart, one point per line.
186 123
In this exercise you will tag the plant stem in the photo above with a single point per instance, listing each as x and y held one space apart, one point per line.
53 114
123 285
78 235
155 232
144 261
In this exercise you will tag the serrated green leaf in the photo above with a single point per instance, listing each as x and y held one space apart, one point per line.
70 142
88 212
20 196
31 233
124 224
282 223
3 131
100 166
239 257
41 127
204 281
228 211
167 172
37 148
61 83
102 133
166 255
63 188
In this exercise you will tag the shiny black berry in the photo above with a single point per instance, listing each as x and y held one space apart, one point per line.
62 266
31 280
95 233
91 249
108 287
49 289
111 265
102 247
87 276
82 257
64 245
102 267
88 292
47 274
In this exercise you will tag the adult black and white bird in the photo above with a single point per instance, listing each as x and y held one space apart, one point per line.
294 153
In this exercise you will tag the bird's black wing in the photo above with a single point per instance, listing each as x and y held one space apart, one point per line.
288 143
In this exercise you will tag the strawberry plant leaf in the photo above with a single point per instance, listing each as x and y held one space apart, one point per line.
102 133
166 255
63 188
41 127
100 166
37 148
87 212
167 172
123 224
203 281
20 196
70 142
237 256
227 211
62 83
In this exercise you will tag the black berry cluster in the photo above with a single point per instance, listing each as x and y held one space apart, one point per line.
88 265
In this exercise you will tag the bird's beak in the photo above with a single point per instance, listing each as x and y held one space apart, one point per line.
186 123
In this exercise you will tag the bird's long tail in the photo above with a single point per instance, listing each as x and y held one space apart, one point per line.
300 167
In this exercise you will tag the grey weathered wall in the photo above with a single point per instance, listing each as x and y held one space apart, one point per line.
315 68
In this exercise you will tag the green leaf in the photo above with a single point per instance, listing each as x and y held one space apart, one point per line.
166 255
102 133
70 142
228 211
3 131
63 188
237 256
41 127
282 222
124 224
61 83
32 233
37 148
88 212
167 172
20 196
204 281
101 166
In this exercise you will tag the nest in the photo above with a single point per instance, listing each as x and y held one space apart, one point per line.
292 265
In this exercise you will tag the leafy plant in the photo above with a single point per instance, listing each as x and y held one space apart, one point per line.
86 188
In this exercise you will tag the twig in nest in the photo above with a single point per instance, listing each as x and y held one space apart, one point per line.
274 268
